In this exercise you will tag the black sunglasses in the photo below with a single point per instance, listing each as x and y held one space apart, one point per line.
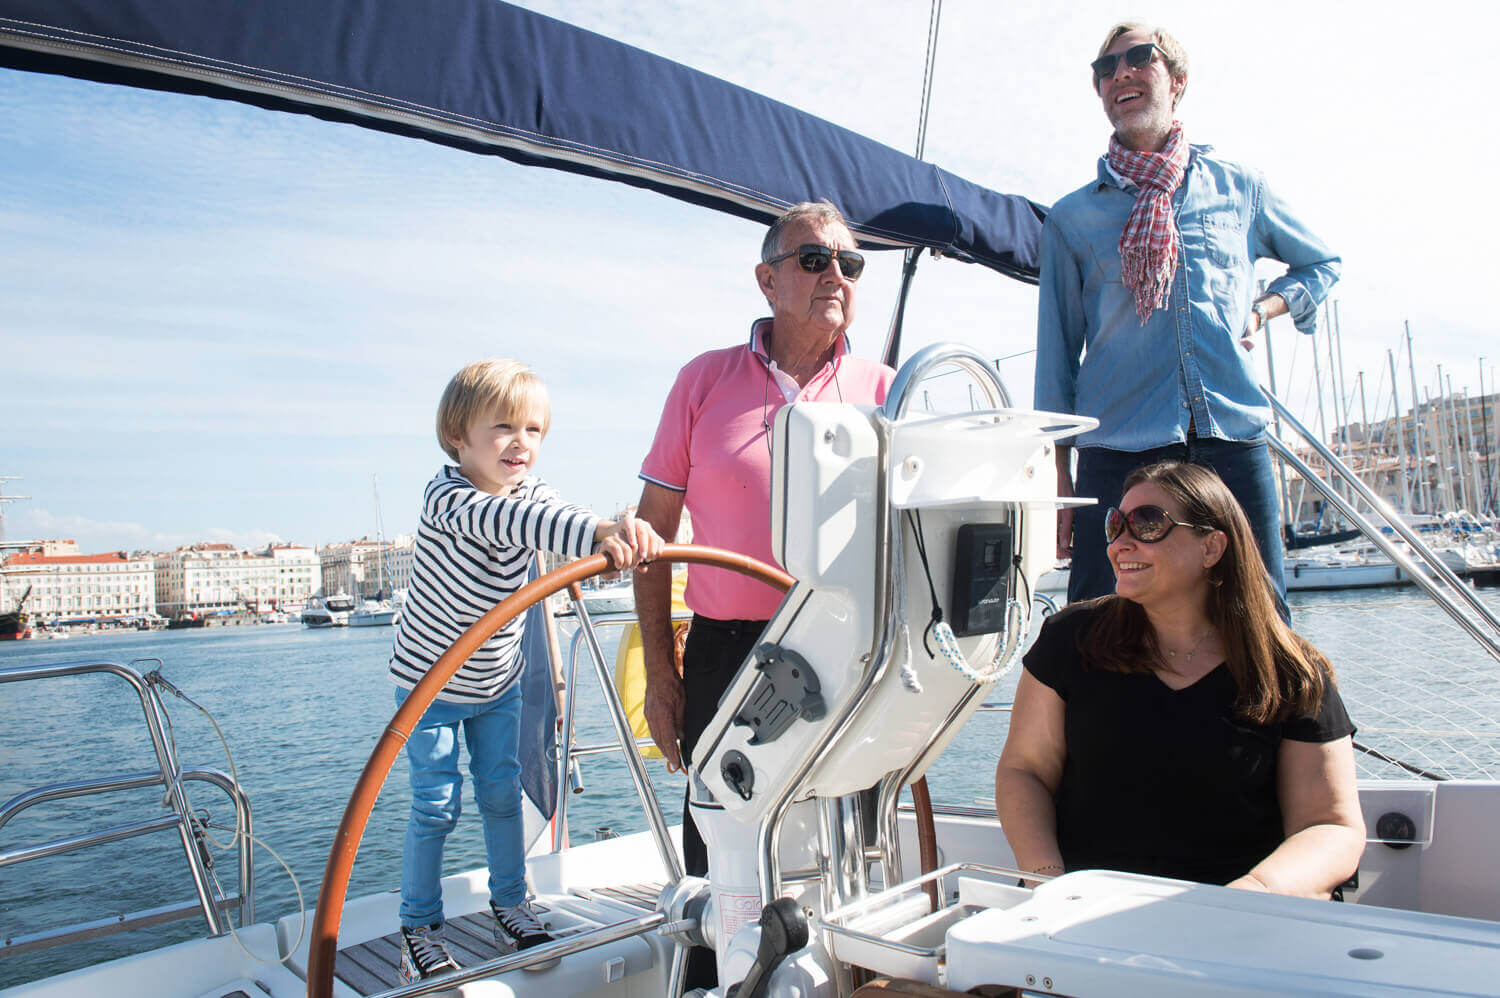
815 259
1147 524
1136 57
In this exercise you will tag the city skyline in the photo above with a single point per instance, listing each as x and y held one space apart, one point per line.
221 321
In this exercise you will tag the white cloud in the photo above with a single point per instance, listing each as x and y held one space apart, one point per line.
99 536
216 315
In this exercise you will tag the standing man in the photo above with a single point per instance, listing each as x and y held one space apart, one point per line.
712 453
1148 307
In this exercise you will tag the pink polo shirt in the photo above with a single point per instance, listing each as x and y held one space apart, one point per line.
712 445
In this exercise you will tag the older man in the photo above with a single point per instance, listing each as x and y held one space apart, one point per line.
712 453
1147 273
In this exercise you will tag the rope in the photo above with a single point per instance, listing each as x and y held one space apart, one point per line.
1414 770
934 17
201 826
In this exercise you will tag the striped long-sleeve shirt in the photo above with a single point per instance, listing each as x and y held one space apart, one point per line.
472 551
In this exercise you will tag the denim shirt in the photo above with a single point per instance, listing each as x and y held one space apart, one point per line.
1147 384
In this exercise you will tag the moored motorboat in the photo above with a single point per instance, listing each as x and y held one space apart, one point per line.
373 613
328 611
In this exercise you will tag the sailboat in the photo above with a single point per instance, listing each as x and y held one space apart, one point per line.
15 625
381 611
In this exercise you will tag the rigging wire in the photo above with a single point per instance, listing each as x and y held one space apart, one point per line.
934 17
892 350
202 825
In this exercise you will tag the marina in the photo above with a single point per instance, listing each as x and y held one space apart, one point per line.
301 710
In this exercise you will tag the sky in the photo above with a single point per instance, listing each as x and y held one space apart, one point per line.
225 324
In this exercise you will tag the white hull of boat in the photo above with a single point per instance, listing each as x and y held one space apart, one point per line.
1421 920
382 616
1305 575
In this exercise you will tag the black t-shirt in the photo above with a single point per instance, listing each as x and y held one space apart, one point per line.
1162 781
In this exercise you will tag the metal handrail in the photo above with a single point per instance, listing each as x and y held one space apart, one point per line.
166 759
643 788
1383 509
570 752
243 899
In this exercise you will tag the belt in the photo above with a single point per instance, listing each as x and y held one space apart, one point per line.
729 626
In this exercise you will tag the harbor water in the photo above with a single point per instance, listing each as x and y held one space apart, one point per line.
301 710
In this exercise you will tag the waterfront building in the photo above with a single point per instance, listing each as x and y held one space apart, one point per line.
1455 466
353 567
69 586
205 580
398 562
280 577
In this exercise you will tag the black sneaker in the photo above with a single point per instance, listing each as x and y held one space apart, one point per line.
518 928
424 954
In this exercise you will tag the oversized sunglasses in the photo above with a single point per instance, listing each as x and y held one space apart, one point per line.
1147 524
815 259
1136 57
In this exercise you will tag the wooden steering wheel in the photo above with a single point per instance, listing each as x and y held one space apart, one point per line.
323 946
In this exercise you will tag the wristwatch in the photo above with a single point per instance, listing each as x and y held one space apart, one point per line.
1259 308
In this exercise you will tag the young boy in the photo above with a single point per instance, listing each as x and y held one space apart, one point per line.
479 525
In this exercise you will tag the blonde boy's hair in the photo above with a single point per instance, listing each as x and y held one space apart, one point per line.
496 385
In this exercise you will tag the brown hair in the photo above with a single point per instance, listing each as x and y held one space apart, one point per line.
1174 55
1278 673
486 386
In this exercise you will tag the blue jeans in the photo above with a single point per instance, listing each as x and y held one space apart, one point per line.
1245 466
490 732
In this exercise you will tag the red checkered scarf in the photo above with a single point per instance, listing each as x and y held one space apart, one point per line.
1149 244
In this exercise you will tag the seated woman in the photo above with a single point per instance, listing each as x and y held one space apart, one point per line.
1179 728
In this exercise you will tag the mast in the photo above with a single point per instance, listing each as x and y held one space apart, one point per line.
1416 419
1344 396
1286 498
1340 402
1364 414
1472 453
1445 473
892 351
1322 419
1401 471
1484 443
379 540
1458 457
6 499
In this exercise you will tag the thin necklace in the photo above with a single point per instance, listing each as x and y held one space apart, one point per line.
1194 650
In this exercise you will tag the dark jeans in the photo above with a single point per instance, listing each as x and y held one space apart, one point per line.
715 650
1244 466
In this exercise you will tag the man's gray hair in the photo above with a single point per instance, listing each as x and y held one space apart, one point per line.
807 211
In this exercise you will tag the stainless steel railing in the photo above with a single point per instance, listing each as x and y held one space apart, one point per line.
210 903
1442 583
586 635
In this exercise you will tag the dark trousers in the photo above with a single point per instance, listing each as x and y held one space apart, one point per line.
715 650
1244 466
